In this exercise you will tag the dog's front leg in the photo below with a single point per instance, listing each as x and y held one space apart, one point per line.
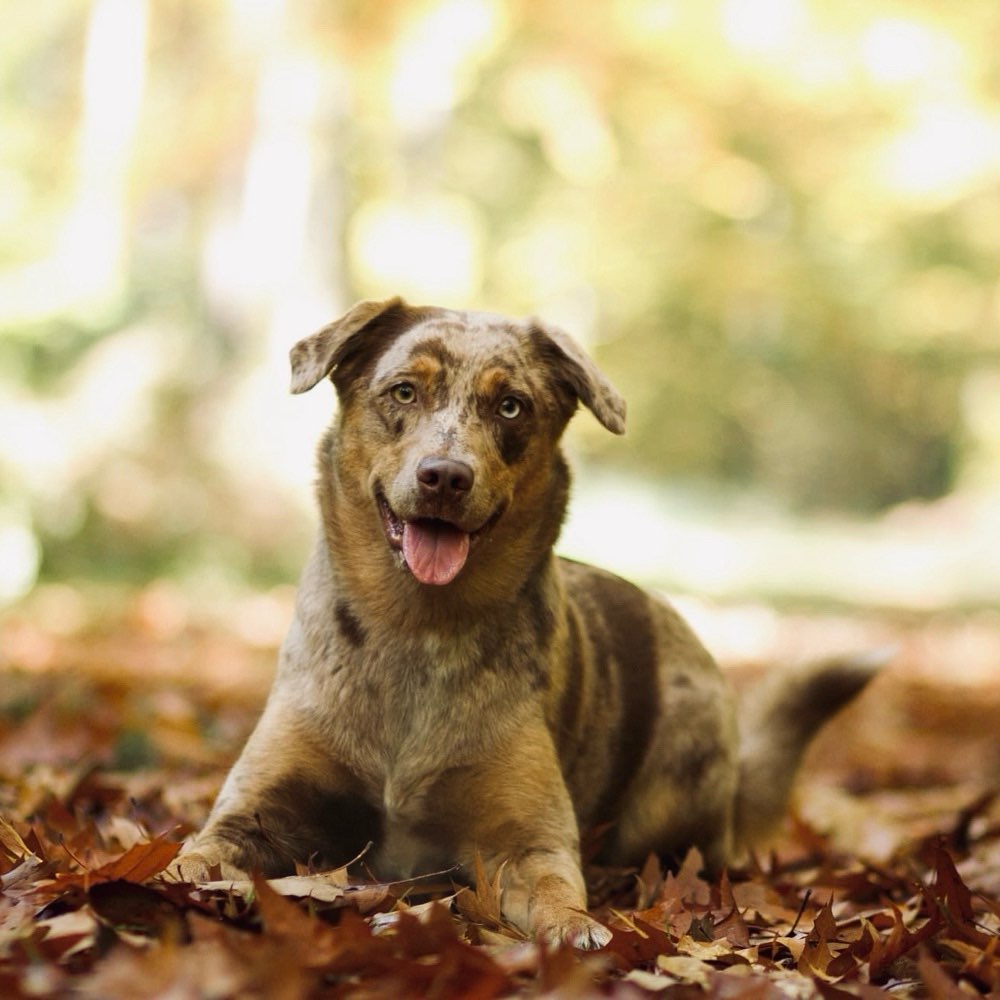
518 816
286 800
543 891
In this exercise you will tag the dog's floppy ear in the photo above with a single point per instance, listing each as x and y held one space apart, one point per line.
314 357
581 376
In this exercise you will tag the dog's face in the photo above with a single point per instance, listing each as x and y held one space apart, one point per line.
450 424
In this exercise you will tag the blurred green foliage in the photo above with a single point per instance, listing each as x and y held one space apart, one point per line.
777 224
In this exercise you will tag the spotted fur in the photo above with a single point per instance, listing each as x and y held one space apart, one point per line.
527 700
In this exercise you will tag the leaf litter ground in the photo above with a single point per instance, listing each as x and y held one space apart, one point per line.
886 881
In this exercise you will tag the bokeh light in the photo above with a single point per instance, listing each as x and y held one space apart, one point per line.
775 222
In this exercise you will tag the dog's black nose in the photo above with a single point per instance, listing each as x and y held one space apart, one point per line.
444 476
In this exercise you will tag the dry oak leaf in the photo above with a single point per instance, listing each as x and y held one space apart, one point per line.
138 864
13 845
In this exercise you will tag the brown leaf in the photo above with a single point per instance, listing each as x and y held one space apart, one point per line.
731 926
132 907
900 941
68 932
817 955
281 916
668 915
481 905
939 984
638 943
650 879
140 863
687 885
13 847
761 899
830 992
955 898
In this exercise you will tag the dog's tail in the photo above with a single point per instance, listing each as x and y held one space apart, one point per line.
777 721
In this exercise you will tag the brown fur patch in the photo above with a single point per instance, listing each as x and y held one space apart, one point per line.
350 628
627 652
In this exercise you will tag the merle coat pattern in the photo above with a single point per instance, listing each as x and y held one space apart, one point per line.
448 686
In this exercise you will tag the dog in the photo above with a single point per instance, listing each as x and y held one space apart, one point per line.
450 690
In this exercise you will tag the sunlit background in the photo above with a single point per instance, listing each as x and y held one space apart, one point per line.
776 224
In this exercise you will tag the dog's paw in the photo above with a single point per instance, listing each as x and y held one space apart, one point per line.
572 927
198 866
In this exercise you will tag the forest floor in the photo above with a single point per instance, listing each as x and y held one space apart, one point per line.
115 737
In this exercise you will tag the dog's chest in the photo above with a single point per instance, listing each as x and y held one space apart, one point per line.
409 710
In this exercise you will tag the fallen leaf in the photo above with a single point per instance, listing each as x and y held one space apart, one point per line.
13 846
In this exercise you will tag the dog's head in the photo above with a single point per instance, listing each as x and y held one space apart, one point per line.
450 423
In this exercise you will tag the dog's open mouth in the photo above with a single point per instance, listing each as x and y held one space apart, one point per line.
435 551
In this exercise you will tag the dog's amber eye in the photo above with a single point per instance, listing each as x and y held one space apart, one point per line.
509 407
403 392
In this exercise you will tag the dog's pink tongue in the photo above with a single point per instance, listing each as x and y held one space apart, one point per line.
434 550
